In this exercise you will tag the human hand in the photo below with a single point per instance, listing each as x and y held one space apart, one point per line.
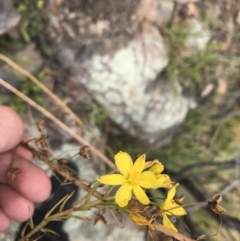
30 185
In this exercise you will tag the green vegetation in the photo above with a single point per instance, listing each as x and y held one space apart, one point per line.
202 140
206 135
189 69
33 14
97 115
32 91
7 43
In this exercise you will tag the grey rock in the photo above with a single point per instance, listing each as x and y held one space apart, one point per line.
198 37
121 79
117 53
9 17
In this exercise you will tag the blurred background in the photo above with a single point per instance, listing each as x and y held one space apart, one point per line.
159 77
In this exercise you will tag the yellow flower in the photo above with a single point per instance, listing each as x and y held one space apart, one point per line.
170 207
162 180
131 177
141 220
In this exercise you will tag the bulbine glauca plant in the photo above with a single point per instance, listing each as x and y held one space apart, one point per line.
128 185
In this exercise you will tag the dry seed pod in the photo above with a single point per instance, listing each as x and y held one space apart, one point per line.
13 172
99 217
152 218
40 124
62 161
136 207
179 199
44 153
83 152
42 141
214 204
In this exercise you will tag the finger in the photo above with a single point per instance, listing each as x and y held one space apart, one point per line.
11 128
22 152
4 221
15 206
32 182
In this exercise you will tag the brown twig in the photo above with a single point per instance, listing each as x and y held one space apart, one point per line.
42 86
171 233
61 171
57 121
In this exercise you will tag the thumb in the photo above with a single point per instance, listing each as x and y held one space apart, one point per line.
11 128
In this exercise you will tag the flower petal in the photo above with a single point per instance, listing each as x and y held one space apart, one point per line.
150 163
147 179
163 180
140 220
140 195
172 208
167 223
156 168
123 195
139 164
124 163
171 193
112 179
177 210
